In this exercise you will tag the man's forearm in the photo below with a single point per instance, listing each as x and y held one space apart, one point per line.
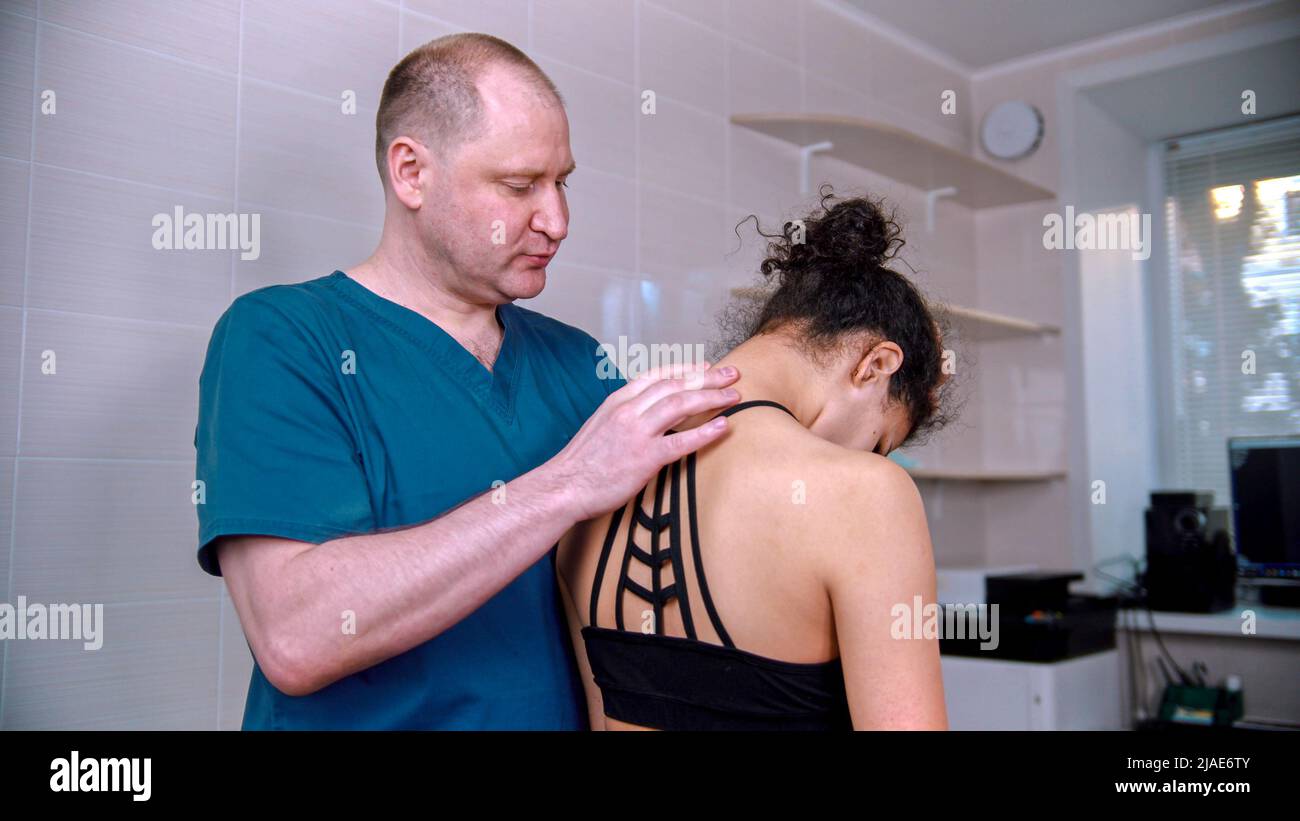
315 614
351 603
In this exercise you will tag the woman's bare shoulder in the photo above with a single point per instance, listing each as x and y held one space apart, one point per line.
783 448
840 502
792 481
874 515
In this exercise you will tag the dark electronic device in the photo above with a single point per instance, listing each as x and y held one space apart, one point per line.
1191 566
1265 479
1039 620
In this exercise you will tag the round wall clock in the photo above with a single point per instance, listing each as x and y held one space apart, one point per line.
1012 130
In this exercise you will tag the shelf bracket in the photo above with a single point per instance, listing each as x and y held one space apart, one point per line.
805 163
930 197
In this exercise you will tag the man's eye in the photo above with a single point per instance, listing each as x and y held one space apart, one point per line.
525 188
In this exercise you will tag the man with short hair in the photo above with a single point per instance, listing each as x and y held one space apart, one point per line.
390 453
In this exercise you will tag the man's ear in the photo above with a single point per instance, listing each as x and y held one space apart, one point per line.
879 362
405 159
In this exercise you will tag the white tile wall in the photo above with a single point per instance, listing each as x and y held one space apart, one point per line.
600 234
129 113
298 152
120 388
603 116
14 175
17 68
598 37
681 59
507 19
322 47
160 26
89 255
157 669
11 335
683 148
79 522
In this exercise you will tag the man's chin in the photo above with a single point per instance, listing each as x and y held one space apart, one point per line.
526 285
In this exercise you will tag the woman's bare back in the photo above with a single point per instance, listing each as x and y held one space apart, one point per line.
765 497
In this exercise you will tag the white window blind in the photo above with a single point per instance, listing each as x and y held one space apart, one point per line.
1232 210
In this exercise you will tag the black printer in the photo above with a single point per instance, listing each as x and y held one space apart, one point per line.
1038 619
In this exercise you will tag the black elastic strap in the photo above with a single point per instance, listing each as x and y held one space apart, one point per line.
627 558
695 549
675 539
655 557
604 559
656 568
757 403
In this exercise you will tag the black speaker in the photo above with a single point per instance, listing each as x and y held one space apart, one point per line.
1191 566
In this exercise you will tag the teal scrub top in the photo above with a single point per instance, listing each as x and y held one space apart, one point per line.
326 410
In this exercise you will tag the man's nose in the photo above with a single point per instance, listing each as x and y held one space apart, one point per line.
552 215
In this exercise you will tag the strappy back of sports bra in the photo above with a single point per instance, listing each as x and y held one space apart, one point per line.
673 682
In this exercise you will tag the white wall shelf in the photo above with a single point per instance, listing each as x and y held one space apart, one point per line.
901 155
754 292
982 326
974 325
984 475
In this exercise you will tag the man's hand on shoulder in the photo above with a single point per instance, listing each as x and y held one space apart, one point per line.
622 444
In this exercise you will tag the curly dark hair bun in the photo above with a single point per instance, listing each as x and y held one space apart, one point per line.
852 238
832 280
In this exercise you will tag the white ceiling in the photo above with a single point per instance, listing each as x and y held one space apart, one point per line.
982 33
1205 94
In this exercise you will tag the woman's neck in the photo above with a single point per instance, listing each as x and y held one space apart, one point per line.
772 368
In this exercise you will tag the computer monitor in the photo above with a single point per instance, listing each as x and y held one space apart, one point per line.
1265 481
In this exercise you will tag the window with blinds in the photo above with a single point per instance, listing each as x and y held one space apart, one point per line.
1232 211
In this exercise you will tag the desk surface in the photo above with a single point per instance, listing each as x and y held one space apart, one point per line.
1270 622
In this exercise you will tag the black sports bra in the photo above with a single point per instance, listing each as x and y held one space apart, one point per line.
682 683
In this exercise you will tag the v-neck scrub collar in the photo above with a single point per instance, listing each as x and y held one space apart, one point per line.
495 388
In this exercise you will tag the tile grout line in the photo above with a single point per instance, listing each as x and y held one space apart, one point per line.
214 72
22 343
117 317
636 148
101 38
728 133
96 460
239 93
803 56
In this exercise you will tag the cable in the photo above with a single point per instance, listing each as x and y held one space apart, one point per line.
1139 707
1182 676
1145 600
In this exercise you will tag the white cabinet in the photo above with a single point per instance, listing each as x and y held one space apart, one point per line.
994 694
